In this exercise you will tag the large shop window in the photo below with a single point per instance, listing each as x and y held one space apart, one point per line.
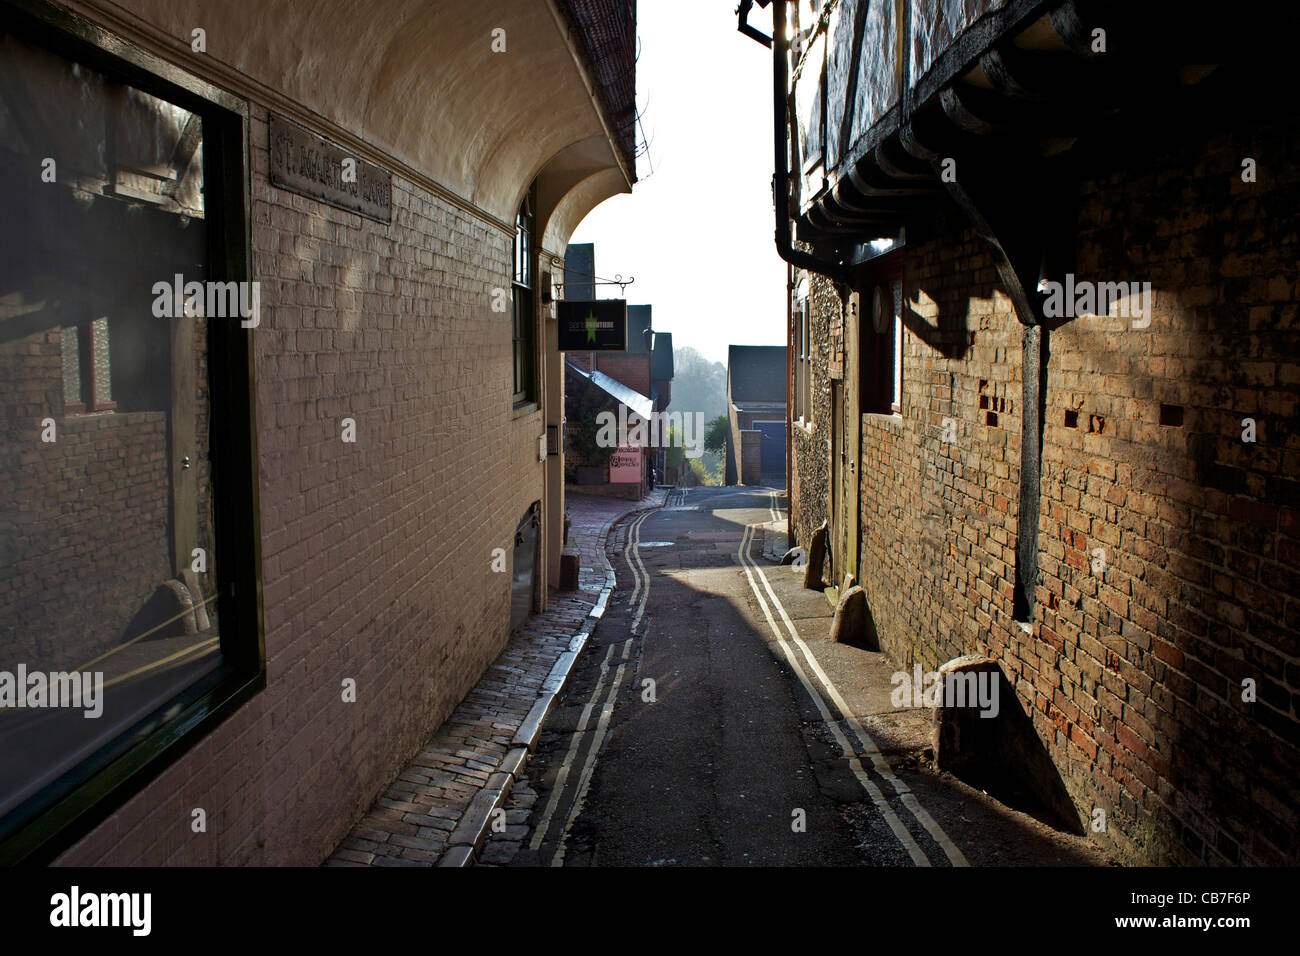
129 617
523 337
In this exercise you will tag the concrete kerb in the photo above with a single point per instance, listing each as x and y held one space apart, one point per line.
467 839
774 538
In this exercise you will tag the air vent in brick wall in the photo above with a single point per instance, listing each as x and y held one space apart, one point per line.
994 401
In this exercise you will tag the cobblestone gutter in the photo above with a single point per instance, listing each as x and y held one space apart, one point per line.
439 809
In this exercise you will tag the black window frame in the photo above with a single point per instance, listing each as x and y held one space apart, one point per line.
803 353
63 812
878 351
523 304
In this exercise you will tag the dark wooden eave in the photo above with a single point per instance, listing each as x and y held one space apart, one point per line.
1007 98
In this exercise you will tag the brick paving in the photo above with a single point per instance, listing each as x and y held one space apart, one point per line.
413 823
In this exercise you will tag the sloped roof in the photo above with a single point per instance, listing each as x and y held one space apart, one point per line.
756 373
634 400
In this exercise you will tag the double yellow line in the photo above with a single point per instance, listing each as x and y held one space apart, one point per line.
641 577
879 764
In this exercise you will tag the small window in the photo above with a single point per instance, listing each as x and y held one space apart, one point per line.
523 336
882 339
802 354
896 397
87 369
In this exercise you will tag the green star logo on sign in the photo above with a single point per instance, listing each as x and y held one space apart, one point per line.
591 327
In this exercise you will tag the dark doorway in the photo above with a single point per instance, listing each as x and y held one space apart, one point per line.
523 584
772 448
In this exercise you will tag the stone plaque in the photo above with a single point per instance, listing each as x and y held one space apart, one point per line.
312 166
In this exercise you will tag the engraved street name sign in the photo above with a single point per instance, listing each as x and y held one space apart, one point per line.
312 166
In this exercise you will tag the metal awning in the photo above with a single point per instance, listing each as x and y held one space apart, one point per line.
637 403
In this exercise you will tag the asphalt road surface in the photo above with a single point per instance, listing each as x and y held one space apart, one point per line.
711 722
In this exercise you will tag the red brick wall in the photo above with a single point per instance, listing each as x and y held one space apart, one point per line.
1132 677
83 519
751 461
1201 589
632 370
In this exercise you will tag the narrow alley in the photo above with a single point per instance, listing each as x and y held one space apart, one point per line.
713 722
839 456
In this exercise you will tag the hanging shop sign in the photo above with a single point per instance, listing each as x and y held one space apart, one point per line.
593 325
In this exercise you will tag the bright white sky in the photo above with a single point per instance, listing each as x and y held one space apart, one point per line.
697 232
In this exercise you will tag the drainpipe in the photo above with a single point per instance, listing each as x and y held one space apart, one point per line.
780 155
798 258
791 358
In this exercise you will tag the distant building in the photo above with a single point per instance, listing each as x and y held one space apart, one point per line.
756 412
644 369
642 377
647 363
661 392
593 467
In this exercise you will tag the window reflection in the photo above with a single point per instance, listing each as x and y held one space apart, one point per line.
105 522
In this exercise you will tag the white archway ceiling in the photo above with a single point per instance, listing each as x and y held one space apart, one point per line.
560 178
577 202
419 80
